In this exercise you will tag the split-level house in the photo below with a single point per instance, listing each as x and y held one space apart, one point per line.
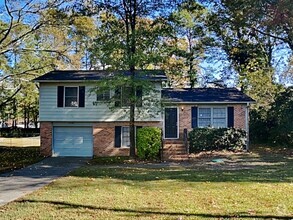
75 121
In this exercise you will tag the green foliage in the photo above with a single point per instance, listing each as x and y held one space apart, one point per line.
148 142
201 139
109 160
274 125
187 43
19 132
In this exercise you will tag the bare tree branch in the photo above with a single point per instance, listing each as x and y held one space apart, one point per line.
10 23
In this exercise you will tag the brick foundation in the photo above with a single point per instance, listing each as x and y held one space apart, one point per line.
46 130
104 136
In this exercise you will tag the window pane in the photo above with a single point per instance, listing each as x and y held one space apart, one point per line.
219 112
71 102
204 122
219 122
104 96
204 113
126 91
71 99
70 91
125 137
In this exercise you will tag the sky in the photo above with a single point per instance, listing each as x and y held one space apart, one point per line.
218 67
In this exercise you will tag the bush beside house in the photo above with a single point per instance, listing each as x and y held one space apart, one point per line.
201 139
148 143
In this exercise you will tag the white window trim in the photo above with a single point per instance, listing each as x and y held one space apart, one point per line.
122 136
104 100
212 113
177 123
121 100
64 97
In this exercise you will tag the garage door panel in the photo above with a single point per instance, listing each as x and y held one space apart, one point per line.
73 141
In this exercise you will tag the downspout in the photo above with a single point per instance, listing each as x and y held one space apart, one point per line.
247 126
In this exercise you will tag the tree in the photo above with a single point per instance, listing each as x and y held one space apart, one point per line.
127 14
190 40
19 22
250 53
31 44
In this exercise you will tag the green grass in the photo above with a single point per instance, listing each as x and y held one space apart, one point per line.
17 157
110 160
246 186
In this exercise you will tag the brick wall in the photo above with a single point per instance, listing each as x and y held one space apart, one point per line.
104 137
239 116
46 130
185 117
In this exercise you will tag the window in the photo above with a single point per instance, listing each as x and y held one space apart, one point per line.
122 136
125 96
104 96
204 117
71 96
122 97
219 117
212 117
125 137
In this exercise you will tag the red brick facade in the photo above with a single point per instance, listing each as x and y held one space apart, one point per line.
185 117
104 132
239 116
46 130
104 136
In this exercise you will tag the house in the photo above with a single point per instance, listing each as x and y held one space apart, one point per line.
71 124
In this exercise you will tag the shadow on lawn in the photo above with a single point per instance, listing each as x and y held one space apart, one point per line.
262 166
67 205
254 170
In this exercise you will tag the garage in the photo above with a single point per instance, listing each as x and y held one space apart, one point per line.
72 141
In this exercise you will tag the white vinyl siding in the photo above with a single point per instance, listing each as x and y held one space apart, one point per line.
100 112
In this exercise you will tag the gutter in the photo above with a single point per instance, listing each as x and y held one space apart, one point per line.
211 102
247 126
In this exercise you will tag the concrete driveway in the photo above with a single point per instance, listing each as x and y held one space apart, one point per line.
18 183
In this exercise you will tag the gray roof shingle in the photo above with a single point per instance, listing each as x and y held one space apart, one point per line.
205 95
84 75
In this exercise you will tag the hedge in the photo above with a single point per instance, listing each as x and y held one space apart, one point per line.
19 132
201 139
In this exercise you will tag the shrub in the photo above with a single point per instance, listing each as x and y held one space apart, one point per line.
201 139
148 142
19 132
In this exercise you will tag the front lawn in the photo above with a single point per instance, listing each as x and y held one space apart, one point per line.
241 186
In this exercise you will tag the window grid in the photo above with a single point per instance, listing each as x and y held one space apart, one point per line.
204 117
125 137
71 100
104 96
212 117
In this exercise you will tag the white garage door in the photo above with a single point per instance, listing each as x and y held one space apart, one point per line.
73 141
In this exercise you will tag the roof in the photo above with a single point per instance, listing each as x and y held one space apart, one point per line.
205 95
95 75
